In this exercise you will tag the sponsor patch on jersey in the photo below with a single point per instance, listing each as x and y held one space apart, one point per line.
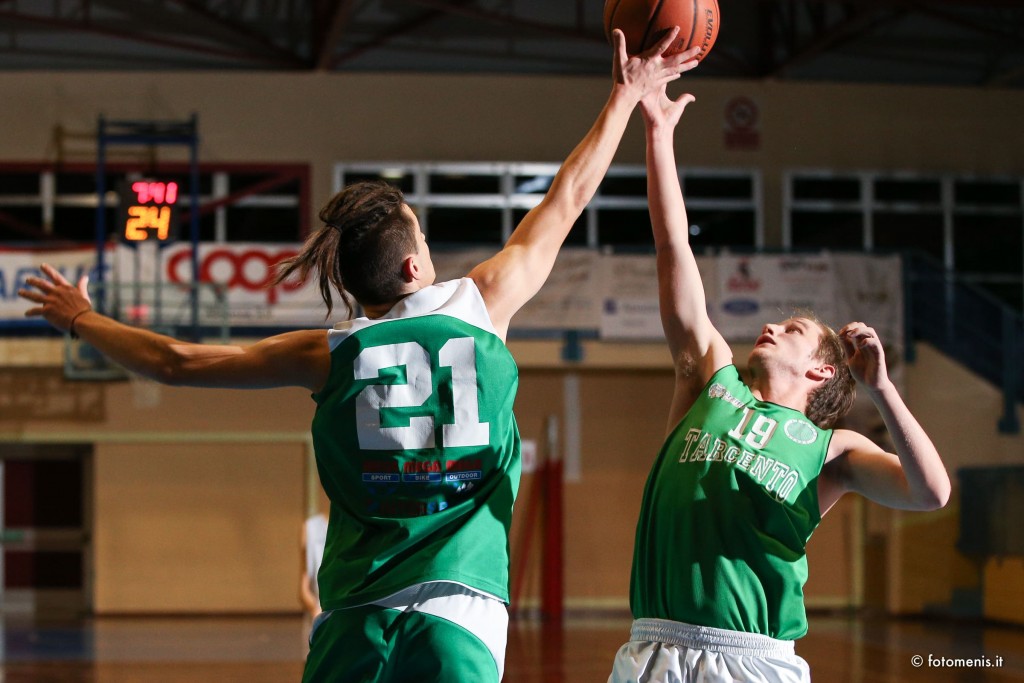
422 477
380 477
801 431
717 390
463 476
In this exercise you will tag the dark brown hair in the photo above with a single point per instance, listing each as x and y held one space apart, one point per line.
833 399
360 248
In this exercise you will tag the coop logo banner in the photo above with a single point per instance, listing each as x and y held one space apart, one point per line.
245 270
248 269
18 264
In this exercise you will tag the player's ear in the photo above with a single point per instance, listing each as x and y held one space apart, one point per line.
410 268
822 373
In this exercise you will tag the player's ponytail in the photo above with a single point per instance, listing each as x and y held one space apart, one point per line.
360 248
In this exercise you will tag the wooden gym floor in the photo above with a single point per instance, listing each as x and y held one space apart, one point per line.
840 649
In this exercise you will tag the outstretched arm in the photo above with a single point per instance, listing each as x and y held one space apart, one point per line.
914 477
509 279
698 350
291 359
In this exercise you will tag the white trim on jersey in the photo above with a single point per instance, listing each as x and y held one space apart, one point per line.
456 298
480 613
316 540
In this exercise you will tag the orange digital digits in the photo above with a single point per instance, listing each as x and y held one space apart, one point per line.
149 210
142 217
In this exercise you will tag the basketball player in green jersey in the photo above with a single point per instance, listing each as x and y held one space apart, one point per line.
748 469
415 440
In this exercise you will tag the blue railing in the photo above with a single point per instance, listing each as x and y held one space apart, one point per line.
969 325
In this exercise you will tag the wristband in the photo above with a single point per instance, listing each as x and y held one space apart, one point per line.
71 325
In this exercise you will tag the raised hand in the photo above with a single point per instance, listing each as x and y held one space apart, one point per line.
651 69
59 301
660 110
864 355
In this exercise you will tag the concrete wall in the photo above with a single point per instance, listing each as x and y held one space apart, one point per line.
321 119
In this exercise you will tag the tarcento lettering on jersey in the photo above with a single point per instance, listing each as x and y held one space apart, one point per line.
777 478
752 434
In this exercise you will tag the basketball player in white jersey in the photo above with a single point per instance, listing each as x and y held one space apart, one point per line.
415 440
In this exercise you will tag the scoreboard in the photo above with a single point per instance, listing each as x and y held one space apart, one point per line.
148 211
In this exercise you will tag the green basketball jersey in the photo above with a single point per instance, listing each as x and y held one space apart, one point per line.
727 511
417 449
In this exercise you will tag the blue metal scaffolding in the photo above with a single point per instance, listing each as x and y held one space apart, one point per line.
150 134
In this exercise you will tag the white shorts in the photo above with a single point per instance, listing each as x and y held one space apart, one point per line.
662 651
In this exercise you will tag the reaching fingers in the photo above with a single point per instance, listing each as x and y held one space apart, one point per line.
674 108
663 44
848 348
39 283
54 274
619 43
32 296
683 100
34 312
83 287
859 336
675 65
683 61
666 78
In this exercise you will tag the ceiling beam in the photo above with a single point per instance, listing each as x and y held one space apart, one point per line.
963 22
127 35
167 19
574 65
73 59
465 10
973 4
326 42
254 39
862 21
396 31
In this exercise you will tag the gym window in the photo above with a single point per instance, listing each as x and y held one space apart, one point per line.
481 203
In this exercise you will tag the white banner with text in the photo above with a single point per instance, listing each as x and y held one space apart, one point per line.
617 295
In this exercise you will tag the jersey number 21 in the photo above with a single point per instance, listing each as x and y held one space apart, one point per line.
458 354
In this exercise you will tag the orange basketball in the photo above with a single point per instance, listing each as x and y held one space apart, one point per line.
644 23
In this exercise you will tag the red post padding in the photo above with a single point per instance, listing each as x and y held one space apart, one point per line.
553 589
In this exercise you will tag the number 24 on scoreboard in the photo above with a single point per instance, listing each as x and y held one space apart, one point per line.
151 207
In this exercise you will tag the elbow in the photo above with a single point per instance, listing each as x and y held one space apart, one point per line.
168 369
168 376
936 497
942 496
942 490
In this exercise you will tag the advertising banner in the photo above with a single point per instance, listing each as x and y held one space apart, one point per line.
629 301
614 294
16 264
756 289
571 297
629 305
243 271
